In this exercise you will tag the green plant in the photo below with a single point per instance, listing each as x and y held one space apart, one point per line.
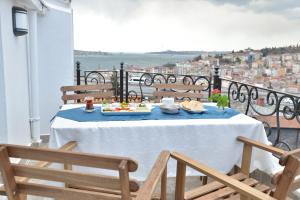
222 101
215 94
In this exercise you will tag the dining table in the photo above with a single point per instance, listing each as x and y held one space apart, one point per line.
208 137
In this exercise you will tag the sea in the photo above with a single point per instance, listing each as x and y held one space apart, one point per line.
143 60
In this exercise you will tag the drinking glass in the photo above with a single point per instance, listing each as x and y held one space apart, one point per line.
89 103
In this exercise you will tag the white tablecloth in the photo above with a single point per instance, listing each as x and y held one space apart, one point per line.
210 141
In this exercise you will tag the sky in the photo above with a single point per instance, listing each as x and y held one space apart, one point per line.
194 25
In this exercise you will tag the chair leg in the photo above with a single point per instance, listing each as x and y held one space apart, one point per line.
163 189
180 181
67 167
297 139
23 196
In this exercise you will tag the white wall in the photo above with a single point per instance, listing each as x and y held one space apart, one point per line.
14 63
55 48
55 66
3 122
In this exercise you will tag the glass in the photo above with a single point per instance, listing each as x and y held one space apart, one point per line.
89 103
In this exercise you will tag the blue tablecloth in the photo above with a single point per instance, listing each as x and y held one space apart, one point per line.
212 112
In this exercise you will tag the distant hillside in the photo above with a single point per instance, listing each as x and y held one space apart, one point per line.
280 50
265 51
168 52
86 53
177 52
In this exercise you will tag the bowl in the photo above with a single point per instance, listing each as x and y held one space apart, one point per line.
170 109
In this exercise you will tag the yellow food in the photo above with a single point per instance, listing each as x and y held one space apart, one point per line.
192 105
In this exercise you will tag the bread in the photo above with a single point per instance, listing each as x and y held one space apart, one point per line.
192 105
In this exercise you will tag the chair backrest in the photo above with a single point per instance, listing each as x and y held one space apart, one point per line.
79 92
15 188
178 91
287 180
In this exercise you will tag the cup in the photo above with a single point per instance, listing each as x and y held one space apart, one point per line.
89 103
167 101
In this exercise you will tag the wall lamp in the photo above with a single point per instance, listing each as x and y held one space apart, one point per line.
20 21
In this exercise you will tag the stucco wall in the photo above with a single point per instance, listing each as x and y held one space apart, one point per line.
3 124
15 79
55 66
55 48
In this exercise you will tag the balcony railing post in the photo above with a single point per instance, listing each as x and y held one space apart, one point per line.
78 73
126 80
121 82
217 80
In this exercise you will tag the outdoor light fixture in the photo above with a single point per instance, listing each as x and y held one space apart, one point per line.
20 21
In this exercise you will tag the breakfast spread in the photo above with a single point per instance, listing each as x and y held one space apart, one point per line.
167 106
124 108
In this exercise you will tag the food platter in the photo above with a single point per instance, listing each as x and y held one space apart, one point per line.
120 113
125 110
194 111
193 107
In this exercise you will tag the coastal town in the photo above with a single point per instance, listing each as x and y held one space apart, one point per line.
273 68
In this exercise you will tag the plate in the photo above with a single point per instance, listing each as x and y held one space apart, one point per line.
194 112
122 113
88 111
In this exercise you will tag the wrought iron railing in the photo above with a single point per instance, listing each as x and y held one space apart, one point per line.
258 101
250 99
139 85
98 77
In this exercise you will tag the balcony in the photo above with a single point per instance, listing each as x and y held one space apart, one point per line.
279 111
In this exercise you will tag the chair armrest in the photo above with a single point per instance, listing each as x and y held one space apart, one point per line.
222 178
147 190
262 146
66 147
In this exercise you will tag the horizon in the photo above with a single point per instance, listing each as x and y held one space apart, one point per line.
186 50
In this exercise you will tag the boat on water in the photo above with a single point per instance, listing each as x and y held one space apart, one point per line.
135 80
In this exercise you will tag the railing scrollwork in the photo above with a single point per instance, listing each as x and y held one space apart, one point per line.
145 82
259 101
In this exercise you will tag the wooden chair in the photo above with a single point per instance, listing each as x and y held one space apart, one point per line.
178 91
67 147
240 186
80 185
237 186
79 92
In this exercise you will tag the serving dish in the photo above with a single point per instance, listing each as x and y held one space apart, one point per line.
141 109
170 109
194 111
192 106
89 110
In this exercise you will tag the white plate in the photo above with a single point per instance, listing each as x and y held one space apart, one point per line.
194 112
88 111
122 113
